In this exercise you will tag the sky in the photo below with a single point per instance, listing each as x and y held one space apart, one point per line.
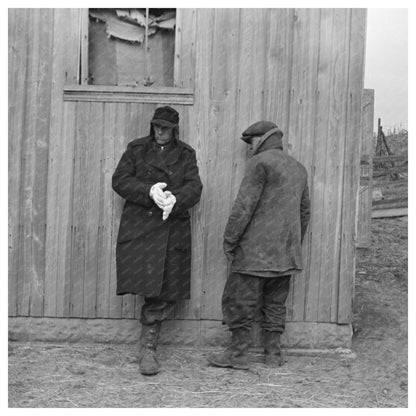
386 65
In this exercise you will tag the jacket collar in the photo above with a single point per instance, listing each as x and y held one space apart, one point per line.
162 159
272 142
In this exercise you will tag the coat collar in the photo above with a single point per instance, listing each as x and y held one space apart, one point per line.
273 139
161 159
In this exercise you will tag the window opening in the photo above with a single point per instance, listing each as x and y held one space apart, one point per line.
131 47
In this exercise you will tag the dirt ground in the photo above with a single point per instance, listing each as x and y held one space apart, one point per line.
373 375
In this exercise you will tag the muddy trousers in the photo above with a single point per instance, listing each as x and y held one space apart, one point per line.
155 310
242 294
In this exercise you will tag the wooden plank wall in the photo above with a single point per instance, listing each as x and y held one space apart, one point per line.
366 171
302 68
30 85
307 76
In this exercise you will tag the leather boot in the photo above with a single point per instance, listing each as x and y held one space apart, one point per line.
234 355
148 343
272 349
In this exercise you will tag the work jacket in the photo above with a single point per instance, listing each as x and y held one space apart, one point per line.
270 215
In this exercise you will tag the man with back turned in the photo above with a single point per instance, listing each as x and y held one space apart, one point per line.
263 240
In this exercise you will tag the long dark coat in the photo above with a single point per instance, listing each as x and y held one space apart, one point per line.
270 214
151 251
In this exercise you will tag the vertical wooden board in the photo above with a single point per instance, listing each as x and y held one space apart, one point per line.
319 163
270 52
17 87
220 156
120 141
258 65
11 252
193 310
119 144
91 184
303 86
279 67
366 170
205 22
300 140
61 34
217 212
65 197
28 166
13 34
105 257
135 124
215 216
189 309
80 210
185 41
209 137
352 164
243 97
307 71
41 161
329 273
224 45
234 111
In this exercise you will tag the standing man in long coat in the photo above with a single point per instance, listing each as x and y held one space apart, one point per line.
263 240
158 177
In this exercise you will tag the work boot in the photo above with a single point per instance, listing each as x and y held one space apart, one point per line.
234 355
272 349
148 342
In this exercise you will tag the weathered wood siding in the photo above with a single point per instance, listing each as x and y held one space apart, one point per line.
301 68
366 171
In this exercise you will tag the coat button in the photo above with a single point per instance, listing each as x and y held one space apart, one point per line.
170 172
150 213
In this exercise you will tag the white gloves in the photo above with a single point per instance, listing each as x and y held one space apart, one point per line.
165 200
169 203
156 193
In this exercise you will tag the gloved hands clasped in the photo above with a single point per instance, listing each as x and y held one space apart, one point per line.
165 200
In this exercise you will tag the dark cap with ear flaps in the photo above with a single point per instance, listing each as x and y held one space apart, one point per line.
165 116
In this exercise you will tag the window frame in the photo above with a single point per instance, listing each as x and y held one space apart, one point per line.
112 93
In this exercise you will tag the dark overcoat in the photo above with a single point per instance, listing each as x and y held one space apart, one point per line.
153 256
270 214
